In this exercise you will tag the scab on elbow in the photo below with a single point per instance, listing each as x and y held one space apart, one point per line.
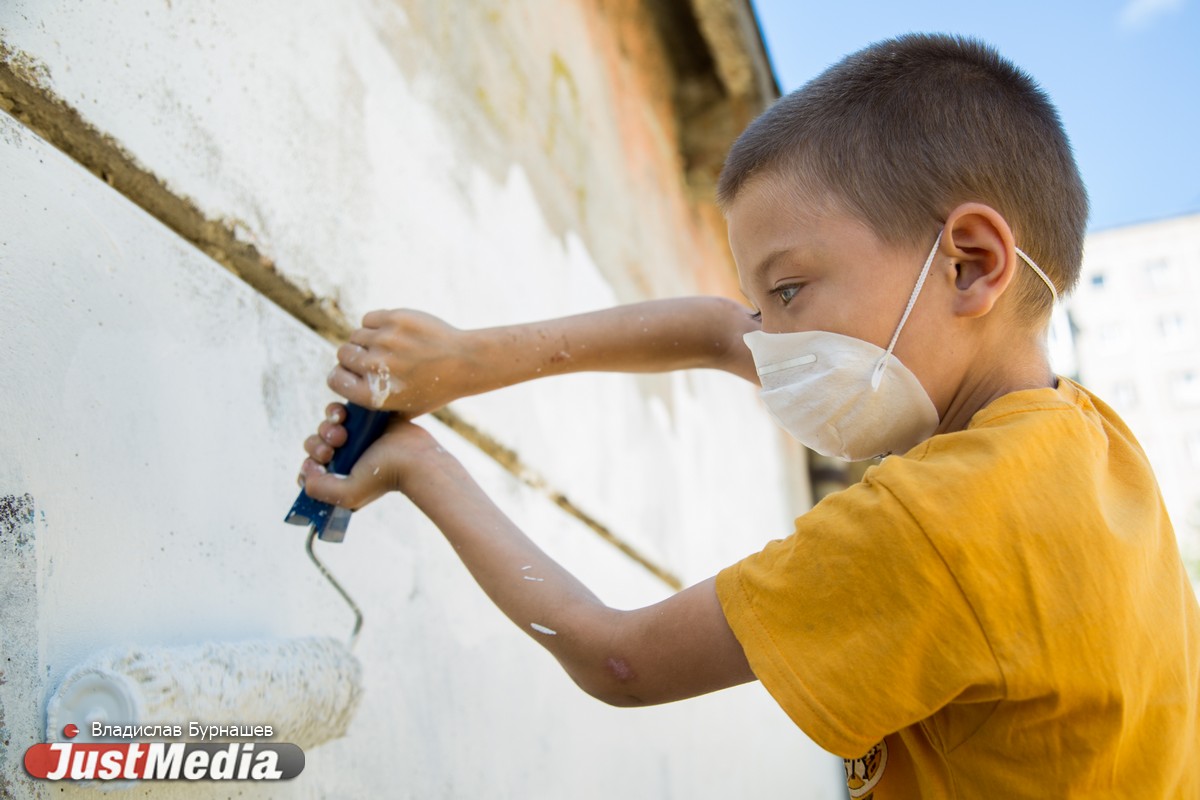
619 669
619 678
610 682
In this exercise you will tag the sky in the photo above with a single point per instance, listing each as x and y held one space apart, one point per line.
1124 74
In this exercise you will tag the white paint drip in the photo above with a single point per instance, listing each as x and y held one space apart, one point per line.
543 629
379 381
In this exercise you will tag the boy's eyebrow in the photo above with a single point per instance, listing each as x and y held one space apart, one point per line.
768 262
760 268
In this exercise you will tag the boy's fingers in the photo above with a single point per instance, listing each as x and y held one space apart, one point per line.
318 449
339 490
335 412
353 357
364 337
375 319
332 433
320 485
348 385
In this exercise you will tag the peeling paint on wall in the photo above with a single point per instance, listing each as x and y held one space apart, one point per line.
19 645
16 520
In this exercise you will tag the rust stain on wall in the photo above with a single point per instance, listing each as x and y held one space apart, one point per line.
621 132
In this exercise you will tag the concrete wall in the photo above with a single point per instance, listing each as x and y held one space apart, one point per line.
260 175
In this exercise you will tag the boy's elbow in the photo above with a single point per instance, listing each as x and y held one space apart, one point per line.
620 673
617 700
615 696
614 684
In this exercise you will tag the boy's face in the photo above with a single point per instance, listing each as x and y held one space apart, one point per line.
806 265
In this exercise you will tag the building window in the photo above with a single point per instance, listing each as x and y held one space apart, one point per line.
1161 274
1175 329
1185 387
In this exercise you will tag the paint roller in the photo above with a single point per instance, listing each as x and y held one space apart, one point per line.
307 689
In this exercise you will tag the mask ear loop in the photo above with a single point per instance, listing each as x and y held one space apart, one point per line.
1045 278
881 365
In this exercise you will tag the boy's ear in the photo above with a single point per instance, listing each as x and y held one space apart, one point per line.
980 243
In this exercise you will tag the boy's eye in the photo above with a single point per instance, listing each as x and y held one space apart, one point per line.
786 292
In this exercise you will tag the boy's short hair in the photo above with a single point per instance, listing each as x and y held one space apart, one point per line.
904 130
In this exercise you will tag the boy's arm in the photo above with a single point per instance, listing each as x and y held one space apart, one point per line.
413 362
678 648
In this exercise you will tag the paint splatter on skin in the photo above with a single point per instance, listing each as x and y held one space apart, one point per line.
527 566
543 629
379 381
531 578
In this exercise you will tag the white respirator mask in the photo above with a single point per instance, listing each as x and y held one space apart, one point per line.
846 398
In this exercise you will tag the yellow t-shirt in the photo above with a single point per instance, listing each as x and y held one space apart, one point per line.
1000 613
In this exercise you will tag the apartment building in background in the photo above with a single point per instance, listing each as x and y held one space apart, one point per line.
1136 320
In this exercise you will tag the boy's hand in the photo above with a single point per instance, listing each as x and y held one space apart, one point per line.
406 361
386 465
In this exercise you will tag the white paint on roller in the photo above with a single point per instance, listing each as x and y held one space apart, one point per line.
543 629
93 695
306 689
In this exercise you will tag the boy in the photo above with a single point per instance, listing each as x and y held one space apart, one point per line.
998 609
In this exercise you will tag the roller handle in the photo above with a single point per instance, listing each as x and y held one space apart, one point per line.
363 426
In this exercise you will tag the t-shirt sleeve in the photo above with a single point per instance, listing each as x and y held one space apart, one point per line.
855 624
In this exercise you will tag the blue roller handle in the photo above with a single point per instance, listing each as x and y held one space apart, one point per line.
363 426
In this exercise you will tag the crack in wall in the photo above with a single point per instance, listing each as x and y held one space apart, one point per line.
24 94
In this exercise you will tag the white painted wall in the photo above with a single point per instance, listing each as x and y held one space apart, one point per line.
156 405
